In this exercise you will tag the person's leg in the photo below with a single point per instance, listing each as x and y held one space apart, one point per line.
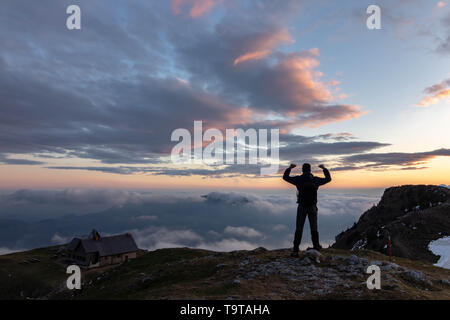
312 217
300 222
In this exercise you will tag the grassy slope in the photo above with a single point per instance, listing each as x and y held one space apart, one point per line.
19 281
32 280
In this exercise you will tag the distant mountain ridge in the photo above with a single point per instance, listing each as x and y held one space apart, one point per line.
413 215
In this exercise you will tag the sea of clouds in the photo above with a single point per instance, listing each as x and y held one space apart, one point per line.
219 220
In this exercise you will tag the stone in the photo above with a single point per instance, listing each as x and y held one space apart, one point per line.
389 266
386 268
244 262
250 275
394 265
364 261
337 258
305 261
341 268
417 277
313 253
353 259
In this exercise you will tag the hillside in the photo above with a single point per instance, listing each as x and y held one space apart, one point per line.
183 273
413 215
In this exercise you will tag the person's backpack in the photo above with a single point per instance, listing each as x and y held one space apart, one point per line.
307 196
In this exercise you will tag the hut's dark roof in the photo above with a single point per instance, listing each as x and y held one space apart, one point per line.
73 244
106 246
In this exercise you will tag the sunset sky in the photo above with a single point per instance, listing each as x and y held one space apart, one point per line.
95 108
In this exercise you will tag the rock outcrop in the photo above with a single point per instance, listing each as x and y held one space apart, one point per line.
413 215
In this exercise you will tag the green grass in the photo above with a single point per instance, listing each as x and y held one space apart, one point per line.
164 270
19 281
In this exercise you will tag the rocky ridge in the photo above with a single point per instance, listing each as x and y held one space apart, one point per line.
412 215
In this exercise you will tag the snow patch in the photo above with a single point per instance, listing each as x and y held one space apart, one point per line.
441 247
360 244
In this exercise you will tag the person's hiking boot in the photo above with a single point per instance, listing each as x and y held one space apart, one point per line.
315 240
294 254
314 248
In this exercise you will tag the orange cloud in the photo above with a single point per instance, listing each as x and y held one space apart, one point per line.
441 4
251 56
242 116
197 7
263 44
335 113
294 87
441 95
333 83
300 80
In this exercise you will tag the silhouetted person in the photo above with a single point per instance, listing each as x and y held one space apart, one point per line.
307 186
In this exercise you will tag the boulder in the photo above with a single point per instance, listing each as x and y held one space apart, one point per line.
416 277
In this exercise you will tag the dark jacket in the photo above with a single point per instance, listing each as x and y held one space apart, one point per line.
307 186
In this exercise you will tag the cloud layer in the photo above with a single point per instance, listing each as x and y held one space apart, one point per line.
217 220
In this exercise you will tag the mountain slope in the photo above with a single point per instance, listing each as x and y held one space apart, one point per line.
413 215
183 273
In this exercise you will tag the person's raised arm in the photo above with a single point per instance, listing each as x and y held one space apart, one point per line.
327 178
286 174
